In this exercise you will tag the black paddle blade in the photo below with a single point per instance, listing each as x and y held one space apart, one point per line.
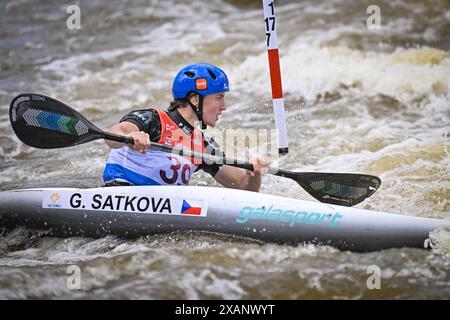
43 122
345 189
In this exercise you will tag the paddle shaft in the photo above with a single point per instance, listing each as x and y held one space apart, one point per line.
300 178
208 158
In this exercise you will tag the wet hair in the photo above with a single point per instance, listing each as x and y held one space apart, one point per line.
181 102
177 103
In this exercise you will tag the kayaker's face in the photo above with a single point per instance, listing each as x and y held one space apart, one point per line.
213 106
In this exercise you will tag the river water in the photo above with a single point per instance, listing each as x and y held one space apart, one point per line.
357 100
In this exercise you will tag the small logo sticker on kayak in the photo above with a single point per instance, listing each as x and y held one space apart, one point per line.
52 200
55 197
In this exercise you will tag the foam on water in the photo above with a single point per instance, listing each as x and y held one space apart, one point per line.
219 270
406 75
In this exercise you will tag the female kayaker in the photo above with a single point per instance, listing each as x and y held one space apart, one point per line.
199 98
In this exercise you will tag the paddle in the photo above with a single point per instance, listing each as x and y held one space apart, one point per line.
43 122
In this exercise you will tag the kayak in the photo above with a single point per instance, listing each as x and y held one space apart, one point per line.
137 211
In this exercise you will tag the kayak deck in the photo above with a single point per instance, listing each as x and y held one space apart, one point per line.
139 211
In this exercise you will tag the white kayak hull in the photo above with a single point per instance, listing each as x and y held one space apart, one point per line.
139 211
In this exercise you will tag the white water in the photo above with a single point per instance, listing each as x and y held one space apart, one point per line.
357 100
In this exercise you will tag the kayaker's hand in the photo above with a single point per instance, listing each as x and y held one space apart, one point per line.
141 141
260 166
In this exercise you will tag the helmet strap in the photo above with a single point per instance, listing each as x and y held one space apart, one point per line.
199 111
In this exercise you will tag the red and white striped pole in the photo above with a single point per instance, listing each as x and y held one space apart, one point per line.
275 75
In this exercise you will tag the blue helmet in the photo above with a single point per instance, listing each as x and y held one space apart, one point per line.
201 78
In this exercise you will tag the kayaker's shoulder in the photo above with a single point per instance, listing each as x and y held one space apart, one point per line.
145 119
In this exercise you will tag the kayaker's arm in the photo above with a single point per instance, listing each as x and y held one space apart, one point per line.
232 177
125 128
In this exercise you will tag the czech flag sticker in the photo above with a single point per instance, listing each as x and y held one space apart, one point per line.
193 207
